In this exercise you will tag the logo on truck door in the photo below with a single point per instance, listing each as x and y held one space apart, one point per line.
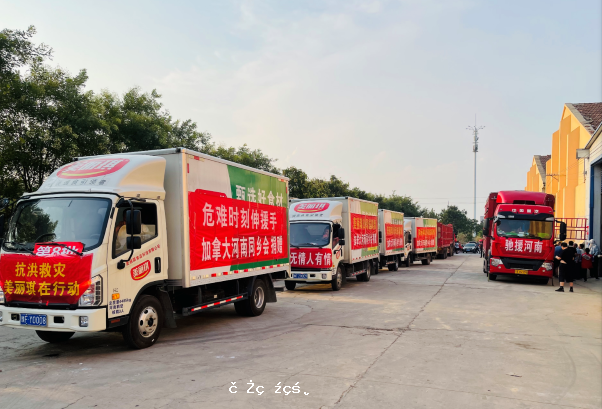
91 167
141 270
311 207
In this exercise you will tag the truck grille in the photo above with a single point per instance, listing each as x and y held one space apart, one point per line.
521 264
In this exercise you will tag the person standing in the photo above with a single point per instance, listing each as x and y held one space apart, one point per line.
457 245
577 265
594 250
557 251
567 261
586 263
581 253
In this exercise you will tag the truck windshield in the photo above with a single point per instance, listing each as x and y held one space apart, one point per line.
532 229
310 234
57 219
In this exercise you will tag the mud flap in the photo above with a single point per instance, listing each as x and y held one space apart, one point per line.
271 293
170 319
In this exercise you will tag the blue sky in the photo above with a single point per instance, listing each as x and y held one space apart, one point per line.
378 93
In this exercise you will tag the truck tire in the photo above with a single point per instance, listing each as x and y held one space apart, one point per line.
427 260
290 285
445 255
54 337
146 321
394 266
337 280
407 261
376 266
254 305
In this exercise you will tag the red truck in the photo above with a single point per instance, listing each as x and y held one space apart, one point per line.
445 240
518 234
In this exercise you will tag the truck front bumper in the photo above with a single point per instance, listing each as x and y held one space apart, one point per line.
310 276
57 320
500 269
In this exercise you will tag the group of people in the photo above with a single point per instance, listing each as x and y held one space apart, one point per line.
575 261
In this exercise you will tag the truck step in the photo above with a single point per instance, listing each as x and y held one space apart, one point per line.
356 273
213 304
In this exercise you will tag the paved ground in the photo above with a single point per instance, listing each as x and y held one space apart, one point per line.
437 336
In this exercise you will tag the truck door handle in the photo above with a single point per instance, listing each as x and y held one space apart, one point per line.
157 265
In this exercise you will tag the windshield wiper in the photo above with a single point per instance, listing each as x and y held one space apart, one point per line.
54 243
20 247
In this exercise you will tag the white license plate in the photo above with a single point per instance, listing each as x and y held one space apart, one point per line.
299 275
36 320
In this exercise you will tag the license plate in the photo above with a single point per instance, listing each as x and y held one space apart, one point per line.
299 275
521 271
36 320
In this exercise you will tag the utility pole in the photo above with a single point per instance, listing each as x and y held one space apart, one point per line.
475 148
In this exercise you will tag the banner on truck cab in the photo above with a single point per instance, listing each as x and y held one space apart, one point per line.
311 257
49 279
237 218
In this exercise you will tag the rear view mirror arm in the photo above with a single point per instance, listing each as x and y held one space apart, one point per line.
121 264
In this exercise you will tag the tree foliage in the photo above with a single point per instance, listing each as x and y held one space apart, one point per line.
459 218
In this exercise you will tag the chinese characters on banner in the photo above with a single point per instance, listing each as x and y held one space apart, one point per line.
311 258
523 246
426 238
226 231
393 236
364 231
45 279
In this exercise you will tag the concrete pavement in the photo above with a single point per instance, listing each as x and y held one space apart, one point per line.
438 336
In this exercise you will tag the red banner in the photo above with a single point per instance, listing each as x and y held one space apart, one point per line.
311 258
53 249
364 231
426 237
45 279
393 236
226 231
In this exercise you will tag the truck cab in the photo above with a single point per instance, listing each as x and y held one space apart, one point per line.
519 235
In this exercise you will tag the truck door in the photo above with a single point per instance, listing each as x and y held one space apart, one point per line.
147 265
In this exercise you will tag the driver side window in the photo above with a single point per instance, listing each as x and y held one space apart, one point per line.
149 227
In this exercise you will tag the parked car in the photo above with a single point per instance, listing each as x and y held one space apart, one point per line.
471 248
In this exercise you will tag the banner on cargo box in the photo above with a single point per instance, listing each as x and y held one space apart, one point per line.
426 235
364 227
237 218
394 231
45 279
311 257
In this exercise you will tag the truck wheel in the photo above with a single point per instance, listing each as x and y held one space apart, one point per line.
445 255
255 304
394 266
146 321
290 285
337 280
427 260
376 266
54 337
407 261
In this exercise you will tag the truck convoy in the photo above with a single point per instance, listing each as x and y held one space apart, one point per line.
121 242
445 240
392 250
518 234
422 234
319 250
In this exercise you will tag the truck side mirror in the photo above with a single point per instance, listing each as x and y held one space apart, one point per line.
485 227
380 236
342 236
134 243
133 222
562 231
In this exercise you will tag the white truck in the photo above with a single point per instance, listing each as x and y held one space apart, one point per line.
392 248
320 251
126 242
422 234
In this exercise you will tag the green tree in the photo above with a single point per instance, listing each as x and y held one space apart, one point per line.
243 155
459 219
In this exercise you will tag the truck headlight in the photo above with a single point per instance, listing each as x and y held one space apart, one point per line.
2 300
495 262
548 266
93 295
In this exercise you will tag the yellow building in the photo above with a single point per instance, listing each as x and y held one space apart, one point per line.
536 176
565 174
